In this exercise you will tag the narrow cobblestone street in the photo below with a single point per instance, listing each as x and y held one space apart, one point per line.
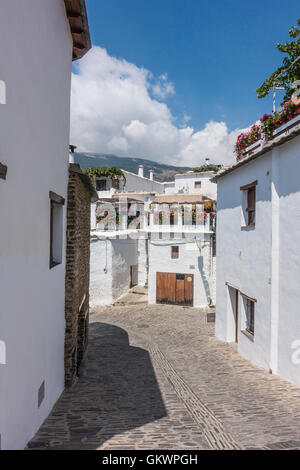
157 378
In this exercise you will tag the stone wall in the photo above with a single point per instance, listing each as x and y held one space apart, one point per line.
77 275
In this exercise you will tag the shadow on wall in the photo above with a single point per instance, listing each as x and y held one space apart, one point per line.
116 392
204 279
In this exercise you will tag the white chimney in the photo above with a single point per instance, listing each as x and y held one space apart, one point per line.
72 149
141 170
151 175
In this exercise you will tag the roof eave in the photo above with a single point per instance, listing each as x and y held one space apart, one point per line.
275 142
80 31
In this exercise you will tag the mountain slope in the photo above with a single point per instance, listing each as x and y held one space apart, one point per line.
161 172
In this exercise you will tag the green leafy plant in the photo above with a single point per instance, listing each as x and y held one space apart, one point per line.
288 72
208 167
271 122
268 124
111 172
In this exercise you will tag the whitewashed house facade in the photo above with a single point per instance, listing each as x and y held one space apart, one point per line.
118 262
196 183
145 255
39 40
181 251
258 255
107 188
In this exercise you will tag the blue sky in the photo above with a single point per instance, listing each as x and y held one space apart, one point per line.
215 52
156 61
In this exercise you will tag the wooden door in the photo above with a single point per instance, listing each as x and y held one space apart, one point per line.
175 289
171 287
161 288
180 281
189 289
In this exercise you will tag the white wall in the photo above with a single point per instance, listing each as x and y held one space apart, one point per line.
34 140
288 189
142 260
244 257
124 255
186 183
100 272
190 261
137 183
111 259
134 183
263 262
170 187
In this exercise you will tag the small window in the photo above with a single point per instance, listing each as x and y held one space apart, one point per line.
116 184
101 185
175 252
251 206
249 203
3 171
250 316
56 229
197 184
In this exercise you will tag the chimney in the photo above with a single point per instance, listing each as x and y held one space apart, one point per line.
141 170
151 175
71 153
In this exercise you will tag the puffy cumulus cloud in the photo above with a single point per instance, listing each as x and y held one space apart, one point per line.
163 88
118 108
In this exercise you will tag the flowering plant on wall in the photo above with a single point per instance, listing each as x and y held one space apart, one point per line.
268 124
247 138
271 122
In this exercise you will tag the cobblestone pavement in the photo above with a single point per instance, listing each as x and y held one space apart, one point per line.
157 378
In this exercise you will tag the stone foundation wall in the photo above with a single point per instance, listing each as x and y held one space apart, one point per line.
77 276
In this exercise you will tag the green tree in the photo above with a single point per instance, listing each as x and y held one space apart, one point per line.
208 167
288 72
111 172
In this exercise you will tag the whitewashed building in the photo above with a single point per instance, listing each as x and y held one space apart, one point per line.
39 40
143 253
136 188
118 262
181 250
258 254
106 187
195 183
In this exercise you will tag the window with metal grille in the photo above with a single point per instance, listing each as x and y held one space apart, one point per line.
56 229
197 184
175 252
250 316
251 206
101 185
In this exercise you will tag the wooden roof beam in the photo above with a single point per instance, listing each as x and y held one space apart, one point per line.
77 16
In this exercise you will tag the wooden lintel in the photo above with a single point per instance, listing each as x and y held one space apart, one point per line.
56 198
3 171
248 186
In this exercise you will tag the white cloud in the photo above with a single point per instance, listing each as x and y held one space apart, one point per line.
163 88
117 108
